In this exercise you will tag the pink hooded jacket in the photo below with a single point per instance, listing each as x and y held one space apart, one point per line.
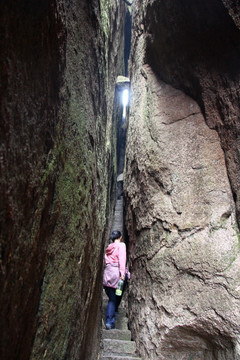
116 253
115 260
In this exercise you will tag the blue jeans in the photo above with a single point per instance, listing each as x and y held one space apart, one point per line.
110 312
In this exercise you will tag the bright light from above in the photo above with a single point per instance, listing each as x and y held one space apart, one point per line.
125 101
125 97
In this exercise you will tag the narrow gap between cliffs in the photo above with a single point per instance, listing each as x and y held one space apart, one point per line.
117 340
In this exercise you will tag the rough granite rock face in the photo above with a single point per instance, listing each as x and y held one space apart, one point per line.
59 63
195 47
181 210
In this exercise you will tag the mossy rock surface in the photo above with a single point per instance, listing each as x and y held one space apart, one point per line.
59 173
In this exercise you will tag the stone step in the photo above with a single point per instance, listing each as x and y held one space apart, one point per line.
120 200
117 222
118 211
121 323
118 218
119 206
118 215
118 226
112 346
117 334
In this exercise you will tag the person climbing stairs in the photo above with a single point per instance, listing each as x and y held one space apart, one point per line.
117 343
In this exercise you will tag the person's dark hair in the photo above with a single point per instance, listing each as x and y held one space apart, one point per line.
115 235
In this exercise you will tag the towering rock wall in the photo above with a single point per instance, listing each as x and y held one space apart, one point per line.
182 150
59 62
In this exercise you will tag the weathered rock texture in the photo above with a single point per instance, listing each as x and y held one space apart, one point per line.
59 63
184 240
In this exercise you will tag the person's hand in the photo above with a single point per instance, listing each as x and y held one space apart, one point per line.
122 277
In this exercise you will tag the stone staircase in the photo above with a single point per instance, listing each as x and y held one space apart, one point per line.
117 343
118 216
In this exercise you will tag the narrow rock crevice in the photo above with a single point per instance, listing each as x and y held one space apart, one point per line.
166 174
